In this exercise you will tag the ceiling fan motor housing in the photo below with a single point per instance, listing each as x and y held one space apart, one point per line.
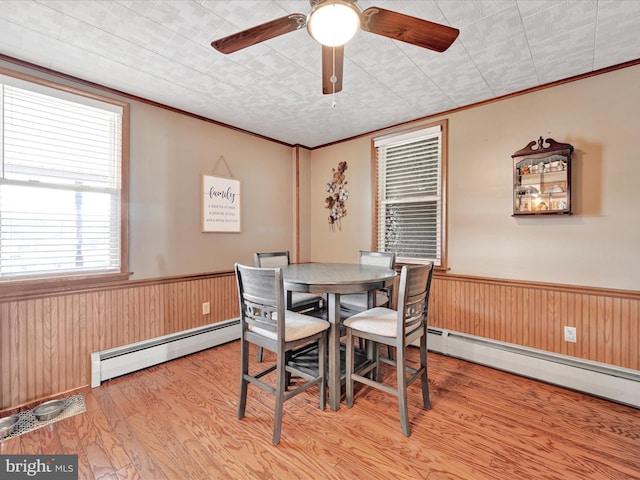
333 22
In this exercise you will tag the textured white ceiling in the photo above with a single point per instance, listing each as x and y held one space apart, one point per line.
160 50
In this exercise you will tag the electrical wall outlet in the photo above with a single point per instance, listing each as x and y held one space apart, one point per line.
206 308
570 334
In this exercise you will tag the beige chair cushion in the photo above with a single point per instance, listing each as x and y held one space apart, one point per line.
379 320
358 301
297 326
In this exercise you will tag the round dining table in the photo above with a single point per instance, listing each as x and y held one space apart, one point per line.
335 279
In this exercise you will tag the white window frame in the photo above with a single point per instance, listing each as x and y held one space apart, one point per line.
380 202
118 270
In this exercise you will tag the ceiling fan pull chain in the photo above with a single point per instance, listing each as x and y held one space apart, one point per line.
334 79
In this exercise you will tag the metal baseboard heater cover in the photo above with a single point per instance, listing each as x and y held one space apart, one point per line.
119 361
602 380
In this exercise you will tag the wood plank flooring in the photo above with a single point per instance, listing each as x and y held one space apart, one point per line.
178 421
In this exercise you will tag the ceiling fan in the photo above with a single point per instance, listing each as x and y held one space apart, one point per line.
333 23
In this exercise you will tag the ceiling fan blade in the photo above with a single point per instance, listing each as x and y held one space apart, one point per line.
332 63
416 31
260 33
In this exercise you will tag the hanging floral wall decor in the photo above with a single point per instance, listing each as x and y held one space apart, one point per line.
337 197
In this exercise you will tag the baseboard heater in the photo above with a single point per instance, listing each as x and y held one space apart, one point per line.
119 361
614 383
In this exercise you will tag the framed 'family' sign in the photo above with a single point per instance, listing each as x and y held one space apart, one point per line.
220 204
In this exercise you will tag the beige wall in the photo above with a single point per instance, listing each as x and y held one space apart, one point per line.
169 152
341 245
596 246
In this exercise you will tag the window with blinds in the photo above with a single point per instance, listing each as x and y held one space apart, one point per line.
409 197
60 182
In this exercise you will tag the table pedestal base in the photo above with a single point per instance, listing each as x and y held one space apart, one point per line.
306 359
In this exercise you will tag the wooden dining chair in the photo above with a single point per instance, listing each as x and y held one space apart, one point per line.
357 302
353 303
397 328
266 322
296 301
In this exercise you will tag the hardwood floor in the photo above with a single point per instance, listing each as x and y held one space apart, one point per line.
178 421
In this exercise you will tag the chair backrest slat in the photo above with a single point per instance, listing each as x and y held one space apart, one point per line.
260 315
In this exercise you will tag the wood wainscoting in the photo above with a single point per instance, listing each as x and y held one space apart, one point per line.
534 315
46 342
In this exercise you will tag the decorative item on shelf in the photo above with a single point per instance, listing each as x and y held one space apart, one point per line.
556 166
338 195
542 178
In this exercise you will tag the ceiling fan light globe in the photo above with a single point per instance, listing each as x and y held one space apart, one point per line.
333 23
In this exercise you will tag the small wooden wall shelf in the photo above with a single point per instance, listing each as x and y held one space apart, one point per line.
542 178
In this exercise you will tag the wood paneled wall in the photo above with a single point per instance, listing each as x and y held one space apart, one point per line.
534 315
46 342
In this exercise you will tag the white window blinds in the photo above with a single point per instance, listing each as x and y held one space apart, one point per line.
409 197
60 182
